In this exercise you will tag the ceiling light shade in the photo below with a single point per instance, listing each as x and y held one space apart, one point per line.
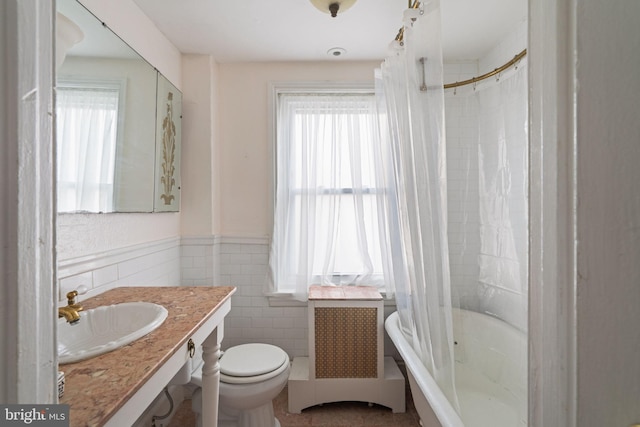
67 34
332 6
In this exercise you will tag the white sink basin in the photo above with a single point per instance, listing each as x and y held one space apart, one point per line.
103 329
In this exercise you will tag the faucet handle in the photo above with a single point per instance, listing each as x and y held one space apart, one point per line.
71 296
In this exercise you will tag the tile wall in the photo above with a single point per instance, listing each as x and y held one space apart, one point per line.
149 264
243 263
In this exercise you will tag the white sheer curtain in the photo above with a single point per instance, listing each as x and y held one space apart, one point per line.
87 121
417 136
329 193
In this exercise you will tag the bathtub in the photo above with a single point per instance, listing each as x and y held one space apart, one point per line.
490 369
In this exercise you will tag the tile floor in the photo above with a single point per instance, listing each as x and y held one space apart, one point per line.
343 414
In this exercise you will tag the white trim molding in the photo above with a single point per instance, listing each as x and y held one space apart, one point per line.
28 364
552 295
243 240
82 264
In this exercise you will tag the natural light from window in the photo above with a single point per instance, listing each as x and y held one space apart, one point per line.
329 192
86 137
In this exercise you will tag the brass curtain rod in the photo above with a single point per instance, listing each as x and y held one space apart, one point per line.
485 76
473 80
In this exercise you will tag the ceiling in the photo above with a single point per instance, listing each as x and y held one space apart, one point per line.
294 30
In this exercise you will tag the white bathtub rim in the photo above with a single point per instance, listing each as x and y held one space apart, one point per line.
437 399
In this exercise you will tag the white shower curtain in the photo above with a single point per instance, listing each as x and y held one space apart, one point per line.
496 195
416 132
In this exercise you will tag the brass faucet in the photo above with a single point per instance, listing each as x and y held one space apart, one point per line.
69 314
71 311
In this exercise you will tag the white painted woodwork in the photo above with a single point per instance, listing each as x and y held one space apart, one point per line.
607 167
585 213
208 336
211 378
552 252
305 390
28 362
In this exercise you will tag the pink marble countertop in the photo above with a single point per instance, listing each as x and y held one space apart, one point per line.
96 388
344 293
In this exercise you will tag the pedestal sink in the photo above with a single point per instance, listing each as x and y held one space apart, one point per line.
107 328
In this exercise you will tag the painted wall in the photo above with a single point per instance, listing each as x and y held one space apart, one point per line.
200 167
103 232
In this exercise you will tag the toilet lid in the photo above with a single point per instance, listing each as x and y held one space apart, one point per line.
249 360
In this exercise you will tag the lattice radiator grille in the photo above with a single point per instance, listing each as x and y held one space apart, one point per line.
346 342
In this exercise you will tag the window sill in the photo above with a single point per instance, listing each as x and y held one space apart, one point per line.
287 300
284 300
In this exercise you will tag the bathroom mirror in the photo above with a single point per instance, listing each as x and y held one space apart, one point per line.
110 104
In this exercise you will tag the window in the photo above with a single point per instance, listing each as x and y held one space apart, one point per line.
87 133
330 192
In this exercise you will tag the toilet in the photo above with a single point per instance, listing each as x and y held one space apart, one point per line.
251 376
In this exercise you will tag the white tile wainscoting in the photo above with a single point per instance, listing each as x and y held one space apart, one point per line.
198 261
243 262
154 263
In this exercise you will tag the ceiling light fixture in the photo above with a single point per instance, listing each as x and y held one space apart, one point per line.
332 6
67 34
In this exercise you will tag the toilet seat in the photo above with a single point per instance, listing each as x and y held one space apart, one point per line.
251 363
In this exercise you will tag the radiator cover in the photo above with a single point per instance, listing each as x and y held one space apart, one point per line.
346 342
346 359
